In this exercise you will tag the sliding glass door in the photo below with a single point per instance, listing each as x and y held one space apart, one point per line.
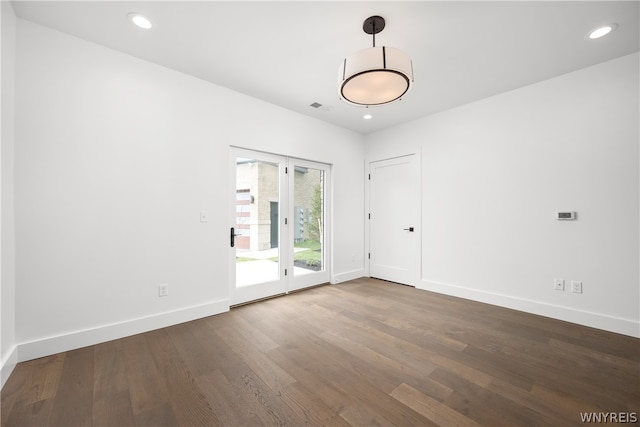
278 235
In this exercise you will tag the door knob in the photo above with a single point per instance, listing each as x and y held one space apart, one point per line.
408 229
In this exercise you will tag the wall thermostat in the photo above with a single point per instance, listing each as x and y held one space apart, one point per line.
565 216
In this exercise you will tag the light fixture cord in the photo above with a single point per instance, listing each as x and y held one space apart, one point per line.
374 32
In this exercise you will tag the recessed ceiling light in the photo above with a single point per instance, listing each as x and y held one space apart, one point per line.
367 117
602 31
139 20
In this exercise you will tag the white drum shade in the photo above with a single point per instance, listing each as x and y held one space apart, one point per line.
375 76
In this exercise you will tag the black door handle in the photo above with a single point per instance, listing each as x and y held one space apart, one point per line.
408 229
233 236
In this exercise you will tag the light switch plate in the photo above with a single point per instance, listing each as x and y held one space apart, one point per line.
204 216
163 290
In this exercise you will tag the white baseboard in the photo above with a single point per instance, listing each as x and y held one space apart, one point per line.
349 275
595 320
82 338
7 364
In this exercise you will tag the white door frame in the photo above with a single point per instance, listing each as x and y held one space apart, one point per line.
287 281
416 249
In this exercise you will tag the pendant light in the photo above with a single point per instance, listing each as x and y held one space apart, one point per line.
377 75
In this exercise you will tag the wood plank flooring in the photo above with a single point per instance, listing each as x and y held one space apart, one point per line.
362 353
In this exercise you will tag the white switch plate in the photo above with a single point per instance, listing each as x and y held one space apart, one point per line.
204 216
576 287
163 290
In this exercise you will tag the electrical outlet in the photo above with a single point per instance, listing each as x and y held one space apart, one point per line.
576 287
163 290
558 284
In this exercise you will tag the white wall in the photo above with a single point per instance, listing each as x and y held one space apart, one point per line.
494 173
115 158
8 355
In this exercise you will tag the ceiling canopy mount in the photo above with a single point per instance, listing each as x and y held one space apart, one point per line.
373 25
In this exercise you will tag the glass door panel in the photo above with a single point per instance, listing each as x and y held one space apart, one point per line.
310 190
258 229
257 201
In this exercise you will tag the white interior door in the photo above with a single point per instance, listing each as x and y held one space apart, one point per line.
393 225
279 225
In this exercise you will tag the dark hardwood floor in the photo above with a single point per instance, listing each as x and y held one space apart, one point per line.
362 353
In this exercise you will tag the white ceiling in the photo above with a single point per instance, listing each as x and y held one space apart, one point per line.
288 52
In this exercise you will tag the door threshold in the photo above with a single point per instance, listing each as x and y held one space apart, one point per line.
277 295
257 300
